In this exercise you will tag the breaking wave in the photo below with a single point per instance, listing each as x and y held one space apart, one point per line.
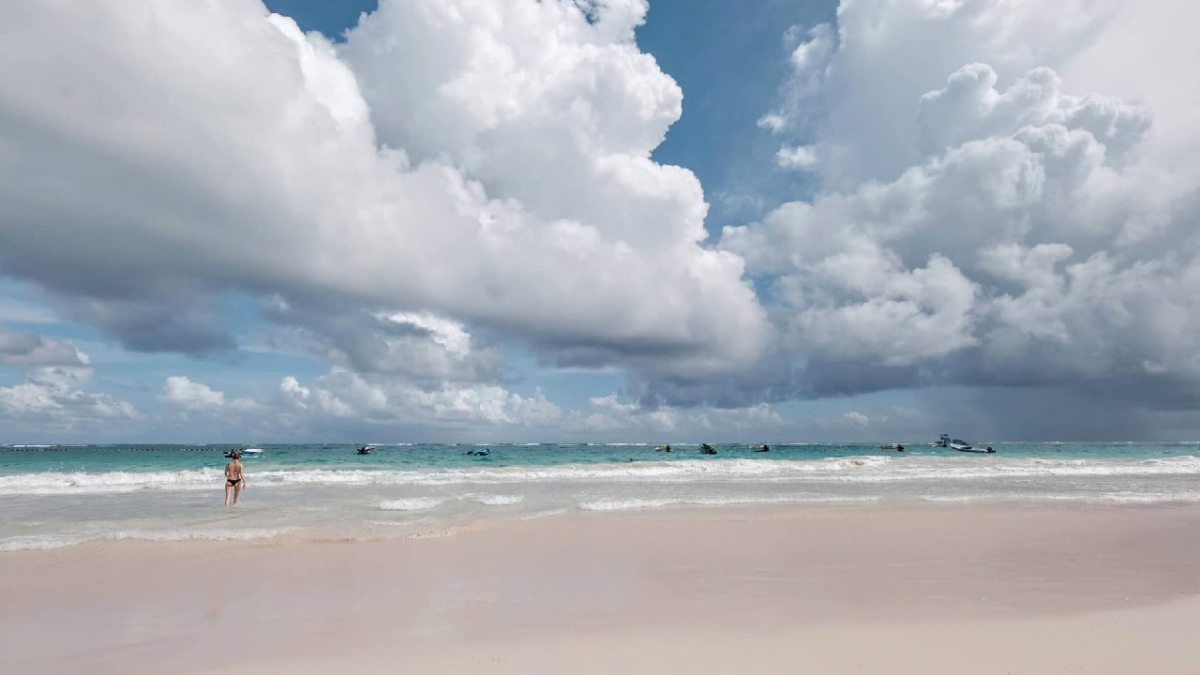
867 469
639 504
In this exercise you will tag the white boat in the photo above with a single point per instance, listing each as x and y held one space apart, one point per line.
960 445
252 451
953 443
894 447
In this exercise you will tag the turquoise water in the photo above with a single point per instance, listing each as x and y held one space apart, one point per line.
61 496
101 458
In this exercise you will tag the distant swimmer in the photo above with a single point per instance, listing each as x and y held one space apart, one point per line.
235 478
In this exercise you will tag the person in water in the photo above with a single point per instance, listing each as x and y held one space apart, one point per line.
235 479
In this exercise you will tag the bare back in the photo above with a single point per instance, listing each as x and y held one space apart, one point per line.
233 470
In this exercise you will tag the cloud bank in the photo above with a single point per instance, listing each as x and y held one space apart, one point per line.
981 221
1003 194
488 162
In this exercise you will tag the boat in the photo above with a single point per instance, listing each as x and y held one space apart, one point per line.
706 449
762 448
953 443
895 447
365 450
252 451
479 453
960 445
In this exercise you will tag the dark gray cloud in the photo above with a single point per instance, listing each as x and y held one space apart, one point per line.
31 350
418 347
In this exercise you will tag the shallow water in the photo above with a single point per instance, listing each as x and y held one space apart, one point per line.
61 496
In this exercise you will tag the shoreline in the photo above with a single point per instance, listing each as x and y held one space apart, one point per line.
571 584
223 528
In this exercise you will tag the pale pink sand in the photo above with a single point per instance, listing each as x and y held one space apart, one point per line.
890 590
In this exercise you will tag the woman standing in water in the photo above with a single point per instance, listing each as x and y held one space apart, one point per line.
235 478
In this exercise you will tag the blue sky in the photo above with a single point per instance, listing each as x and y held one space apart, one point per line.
458 223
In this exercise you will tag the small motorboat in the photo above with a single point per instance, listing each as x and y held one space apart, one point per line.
480 453
894 447
366 450
252 451
706 449
960 445
665 448
762 448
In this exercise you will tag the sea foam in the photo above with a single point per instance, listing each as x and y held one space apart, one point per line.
640 503
411 504
427 503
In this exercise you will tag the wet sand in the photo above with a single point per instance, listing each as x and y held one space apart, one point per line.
895 589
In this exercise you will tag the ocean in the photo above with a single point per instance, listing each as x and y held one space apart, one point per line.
57 496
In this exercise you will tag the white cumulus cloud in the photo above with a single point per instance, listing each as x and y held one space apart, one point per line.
54 392
980 218
485 161
185 393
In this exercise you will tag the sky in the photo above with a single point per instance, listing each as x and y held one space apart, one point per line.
599 220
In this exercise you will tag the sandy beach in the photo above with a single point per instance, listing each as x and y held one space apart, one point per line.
906 589
569 337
